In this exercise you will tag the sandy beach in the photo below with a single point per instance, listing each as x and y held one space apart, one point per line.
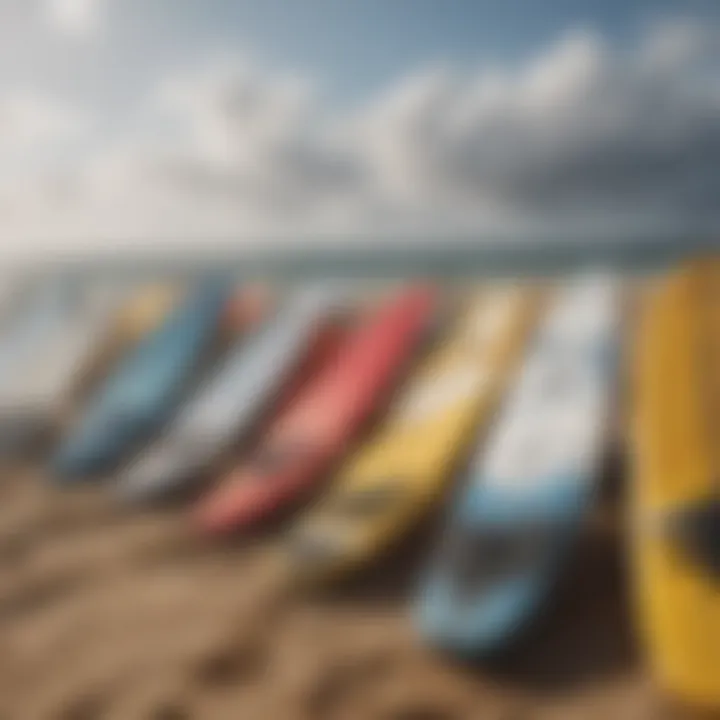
107 613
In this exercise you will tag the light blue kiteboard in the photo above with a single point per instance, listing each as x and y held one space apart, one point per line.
138 400
229 405
527 491
35 317
70 328
30 319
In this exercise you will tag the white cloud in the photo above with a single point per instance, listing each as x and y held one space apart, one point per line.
32 122
76 18
584 137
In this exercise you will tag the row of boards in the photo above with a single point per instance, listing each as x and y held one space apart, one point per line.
512 398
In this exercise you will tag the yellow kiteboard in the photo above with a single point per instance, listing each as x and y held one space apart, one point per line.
394 480
139 315
676 492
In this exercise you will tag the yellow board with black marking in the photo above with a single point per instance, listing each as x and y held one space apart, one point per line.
675 508
394 480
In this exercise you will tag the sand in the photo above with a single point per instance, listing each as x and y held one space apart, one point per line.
113 614
107 613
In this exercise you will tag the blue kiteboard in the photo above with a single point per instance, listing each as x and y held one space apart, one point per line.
529 487
148 387
229 404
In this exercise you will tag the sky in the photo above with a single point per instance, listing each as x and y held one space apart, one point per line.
151 124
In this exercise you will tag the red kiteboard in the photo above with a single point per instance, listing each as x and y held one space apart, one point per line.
326 342
315 429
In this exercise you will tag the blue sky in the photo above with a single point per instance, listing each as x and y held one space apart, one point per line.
358 45
182 119
351 47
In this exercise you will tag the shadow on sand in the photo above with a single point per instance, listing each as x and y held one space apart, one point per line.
585 632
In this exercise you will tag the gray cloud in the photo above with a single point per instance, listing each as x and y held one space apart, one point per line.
583 137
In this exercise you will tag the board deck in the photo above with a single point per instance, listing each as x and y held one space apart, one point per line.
528 488
140 397
33 396
316 429
35 314
394 480
147 306
675 517
227 407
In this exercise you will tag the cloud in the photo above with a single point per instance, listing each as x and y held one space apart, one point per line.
29 121
584 138
579 132
75 18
